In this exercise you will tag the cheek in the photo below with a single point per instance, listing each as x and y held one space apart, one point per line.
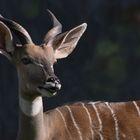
36 75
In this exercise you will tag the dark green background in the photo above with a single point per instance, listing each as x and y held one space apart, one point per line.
104 66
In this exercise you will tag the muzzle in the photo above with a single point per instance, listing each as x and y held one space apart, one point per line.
52 85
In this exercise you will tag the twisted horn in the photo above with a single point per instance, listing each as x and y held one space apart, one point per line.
21 33
57 28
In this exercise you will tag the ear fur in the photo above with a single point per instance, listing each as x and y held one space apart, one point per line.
65 43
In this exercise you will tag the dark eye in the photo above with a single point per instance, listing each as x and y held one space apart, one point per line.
26 61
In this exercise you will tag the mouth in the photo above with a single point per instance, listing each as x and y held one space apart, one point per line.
49 89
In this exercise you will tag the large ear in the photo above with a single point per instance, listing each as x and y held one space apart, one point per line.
65 43
6 41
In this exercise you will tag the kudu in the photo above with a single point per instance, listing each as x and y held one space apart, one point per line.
78 121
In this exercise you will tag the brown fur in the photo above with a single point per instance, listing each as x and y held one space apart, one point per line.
128 122
120 121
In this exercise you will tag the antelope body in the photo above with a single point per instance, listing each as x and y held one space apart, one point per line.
78 121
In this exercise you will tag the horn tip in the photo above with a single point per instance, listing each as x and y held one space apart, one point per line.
48 10
50 13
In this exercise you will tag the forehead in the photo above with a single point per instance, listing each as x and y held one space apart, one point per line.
37 52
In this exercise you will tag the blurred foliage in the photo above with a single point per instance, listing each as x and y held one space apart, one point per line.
32 8
110 67
106 48
108 53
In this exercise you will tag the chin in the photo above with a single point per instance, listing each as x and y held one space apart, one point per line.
46 93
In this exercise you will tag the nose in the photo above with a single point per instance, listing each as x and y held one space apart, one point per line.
54 82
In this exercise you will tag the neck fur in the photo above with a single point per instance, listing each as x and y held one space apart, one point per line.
31 108
31 120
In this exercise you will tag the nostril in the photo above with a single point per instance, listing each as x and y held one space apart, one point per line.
53 80
53 84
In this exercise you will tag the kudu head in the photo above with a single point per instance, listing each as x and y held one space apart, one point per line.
34 63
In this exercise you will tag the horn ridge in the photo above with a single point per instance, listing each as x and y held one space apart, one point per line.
20 32
57 28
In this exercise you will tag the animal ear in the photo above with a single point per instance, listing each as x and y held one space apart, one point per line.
63 44
6 41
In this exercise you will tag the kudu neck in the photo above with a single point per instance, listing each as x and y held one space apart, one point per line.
31 120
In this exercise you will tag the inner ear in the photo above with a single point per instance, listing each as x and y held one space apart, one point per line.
65 43
6 41
6 38
2 38
7 55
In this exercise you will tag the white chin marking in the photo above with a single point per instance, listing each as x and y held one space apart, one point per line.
31 108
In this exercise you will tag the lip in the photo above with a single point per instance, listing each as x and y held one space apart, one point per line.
46 92
49 89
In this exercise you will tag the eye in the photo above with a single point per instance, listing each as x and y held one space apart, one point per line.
26 61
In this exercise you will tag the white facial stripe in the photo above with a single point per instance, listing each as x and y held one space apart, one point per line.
89 117
74 122
63 118
115 120
51 66
31 108
99 119
38 64
137 107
